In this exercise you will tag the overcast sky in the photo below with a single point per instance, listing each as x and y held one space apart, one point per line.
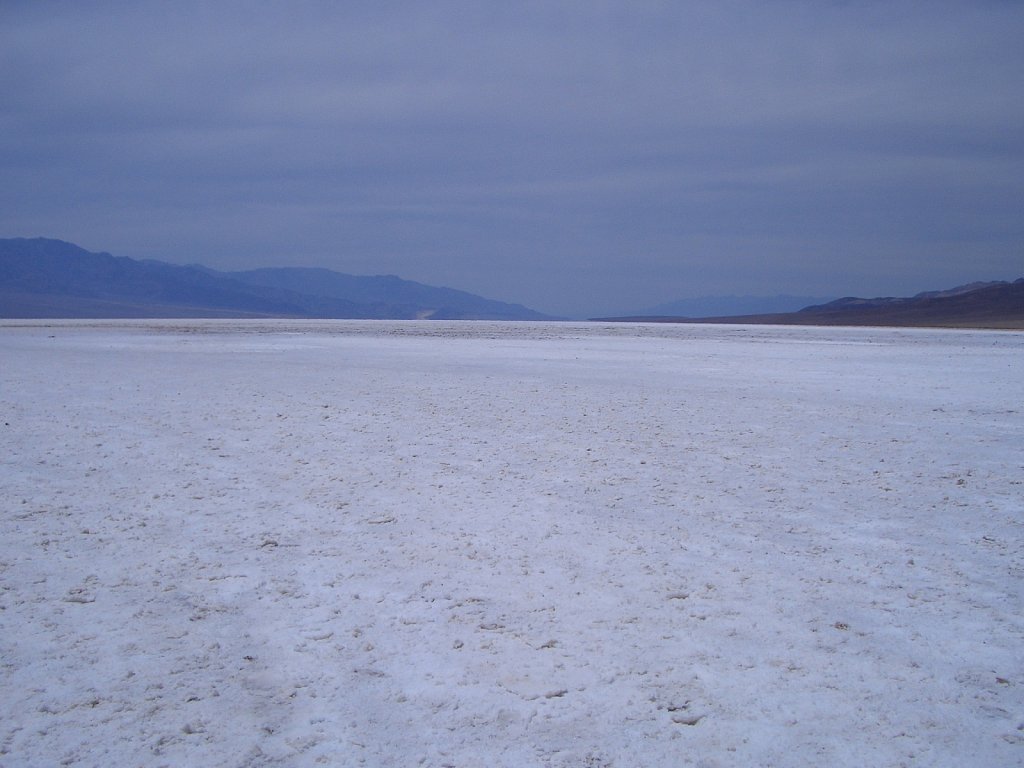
578 157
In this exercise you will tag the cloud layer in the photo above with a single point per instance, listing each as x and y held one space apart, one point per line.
577 157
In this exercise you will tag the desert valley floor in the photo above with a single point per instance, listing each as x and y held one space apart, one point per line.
484 544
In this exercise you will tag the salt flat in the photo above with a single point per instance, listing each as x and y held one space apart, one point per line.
484 544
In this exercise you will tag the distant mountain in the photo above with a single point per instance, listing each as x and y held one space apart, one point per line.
977 305
386 295
51 278
710 306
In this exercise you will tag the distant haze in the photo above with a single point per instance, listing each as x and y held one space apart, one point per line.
720 306
579 158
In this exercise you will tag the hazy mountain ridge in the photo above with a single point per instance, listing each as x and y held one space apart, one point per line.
708 306
46 278
382 291
997 304
925 298
42 277
62 277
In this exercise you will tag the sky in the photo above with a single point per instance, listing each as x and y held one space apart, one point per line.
577 157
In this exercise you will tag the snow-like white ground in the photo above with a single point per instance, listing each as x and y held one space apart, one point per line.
483 544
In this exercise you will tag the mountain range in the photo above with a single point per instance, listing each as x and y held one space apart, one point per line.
997 304
720 306
48 278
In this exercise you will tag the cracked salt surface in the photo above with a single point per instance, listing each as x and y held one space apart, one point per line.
392 544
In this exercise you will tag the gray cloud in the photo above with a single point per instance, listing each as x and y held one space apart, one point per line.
578 157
